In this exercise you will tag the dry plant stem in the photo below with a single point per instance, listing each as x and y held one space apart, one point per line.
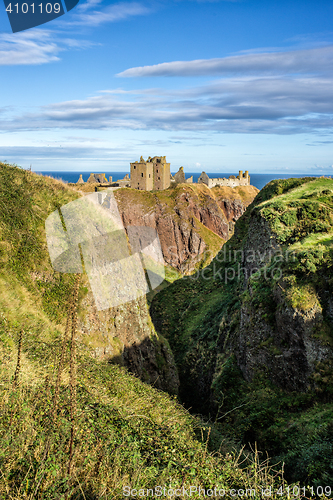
57 388
72 383
18 364
205 452
61 362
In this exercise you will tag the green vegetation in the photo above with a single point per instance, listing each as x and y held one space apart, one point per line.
127 433
72 427
223 324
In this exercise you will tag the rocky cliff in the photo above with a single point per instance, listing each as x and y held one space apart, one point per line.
252 333
192 221
125 335
73 426
268 300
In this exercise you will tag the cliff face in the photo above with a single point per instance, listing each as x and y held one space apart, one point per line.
125 335
277 333
265 300
252 333
192 221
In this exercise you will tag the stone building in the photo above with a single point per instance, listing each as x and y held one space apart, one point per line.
125 182
97 178
179 177
232 181
153 174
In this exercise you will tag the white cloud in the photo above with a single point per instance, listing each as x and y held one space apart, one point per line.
41 46
110 14
282 93
82 7
30 47
36 46
271 63
282 105
65 152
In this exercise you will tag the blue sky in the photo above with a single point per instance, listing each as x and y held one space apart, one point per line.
213 85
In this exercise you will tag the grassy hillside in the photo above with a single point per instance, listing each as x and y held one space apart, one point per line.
252 333
72 427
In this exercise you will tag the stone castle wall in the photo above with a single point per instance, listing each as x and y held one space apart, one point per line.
232 181
154 174
161 172
151 174
142 175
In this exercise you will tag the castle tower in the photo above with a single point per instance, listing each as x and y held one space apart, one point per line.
142 175
161 172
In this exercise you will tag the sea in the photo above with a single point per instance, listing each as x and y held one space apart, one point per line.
257 180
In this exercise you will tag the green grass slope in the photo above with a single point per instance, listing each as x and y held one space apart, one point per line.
223 321
124 432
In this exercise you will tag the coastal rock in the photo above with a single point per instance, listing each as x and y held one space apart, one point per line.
182 217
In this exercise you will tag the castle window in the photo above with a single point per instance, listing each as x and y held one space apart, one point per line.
142 175
134 166
149 176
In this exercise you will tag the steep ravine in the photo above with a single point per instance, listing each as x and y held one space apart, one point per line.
249 309
73 426
190 224
252 353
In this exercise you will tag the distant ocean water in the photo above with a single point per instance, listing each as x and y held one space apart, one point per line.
257 180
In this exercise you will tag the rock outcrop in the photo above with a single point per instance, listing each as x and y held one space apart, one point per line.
192 221
125 335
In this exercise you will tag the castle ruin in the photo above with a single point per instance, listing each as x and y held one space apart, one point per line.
153 174
179 177
95 178
232 181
